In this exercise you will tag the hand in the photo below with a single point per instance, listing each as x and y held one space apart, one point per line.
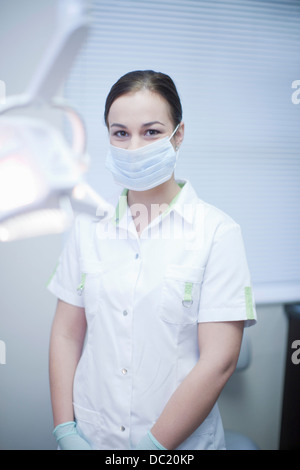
148 442
68 438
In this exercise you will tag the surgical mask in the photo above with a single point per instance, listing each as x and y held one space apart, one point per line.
143 168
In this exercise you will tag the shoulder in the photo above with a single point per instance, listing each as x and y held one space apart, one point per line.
215 221
218 217
82 234
83 224
212 216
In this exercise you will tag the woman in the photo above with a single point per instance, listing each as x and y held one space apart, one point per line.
162 290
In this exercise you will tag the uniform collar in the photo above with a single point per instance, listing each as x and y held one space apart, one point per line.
121 207
183 203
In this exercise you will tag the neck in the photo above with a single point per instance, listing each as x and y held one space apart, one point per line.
153 201
162 194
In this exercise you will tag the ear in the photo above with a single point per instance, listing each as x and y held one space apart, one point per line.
178 137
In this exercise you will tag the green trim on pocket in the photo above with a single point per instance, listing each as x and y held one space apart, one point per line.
187 298
249 303
188 287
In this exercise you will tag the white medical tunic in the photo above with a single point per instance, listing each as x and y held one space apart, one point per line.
143 298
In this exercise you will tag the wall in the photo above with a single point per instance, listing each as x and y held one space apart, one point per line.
251 401
26 312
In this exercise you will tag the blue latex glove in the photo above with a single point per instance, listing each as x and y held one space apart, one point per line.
148 442
68 438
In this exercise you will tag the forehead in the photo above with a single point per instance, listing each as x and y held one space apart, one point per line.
139 106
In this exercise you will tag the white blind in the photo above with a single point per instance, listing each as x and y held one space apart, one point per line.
233 63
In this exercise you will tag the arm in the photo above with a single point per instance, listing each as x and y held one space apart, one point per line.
67 337
190 404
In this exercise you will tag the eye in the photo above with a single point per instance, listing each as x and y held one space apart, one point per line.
120 134
152 132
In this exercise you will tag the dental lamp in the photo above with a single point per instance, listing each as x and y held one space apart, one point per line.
42 176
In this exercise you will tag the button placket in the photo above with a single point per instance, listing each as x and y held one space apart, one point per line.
125 380
125 376
123 427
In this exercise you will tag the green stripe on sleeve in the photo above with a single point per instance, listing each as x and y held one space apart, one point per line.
249 303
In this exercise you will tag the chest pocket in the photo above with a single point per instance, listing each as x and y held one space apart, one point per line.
181 294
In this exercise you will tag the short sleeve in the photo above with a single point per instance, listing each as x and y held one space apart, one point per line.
226 293
66 278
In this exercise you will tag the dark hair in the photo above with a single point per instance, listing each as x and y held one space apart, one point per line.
146 80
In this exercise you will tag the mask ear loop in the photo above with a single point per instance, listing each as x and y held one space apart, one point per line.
173 133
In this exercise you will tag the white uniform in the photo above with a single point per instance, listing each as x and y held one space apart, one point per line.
143 298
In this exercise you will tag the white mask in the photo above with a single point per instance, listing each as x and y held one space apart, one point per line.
145 167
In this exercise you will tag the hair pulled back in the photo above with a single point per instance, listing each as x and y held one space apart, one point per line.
146 80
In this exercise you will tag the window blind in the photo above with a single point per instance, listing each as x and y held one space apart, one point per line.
233 63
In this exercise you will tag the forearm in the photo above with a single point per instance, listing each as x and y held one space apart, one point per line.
64 357
190 404
65 350
193 400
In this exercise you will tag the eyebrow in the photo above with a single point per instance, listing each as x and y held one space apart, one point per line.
116 124
151 123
